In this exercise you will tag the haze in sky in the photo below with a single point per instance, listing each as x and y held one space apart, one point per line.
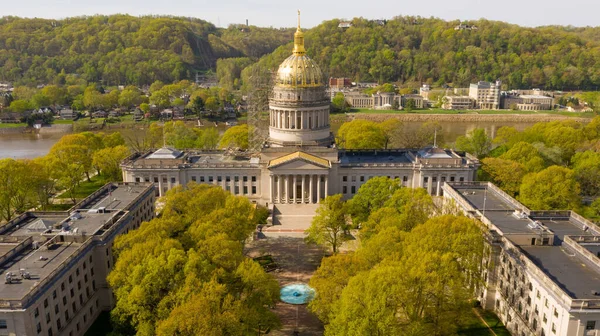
277 13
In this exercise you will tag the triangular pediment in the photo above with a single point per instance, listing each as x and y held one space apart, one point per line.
300 160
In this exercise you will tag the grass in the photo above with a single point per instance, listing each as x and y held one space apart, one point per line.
62 122
442 111
475 327
101 326
12 125
86 187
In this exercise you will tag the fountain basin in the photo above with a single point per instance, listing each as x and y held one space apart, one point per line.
297 293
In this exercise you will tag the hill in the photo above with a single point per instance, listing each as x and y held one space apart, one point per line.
419 50
122 49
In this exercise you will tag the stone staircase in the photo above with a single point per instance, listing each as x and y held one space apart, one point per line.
291 218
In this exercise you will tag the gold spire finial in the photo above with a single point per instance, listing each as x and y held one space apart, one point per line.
299 40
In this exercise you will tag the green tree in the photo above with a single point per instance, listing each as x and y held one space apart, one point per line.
130 97
410 105
329 226
586 169
506 174
361 134
108 160
527 155
145 107
208 138
235 137
553 188
476 142
20 106
197 105
371 196
339 104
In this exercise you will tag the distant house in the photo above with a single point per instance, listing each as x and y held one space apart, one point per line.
178 113
43 110
138 115
66 114
579 108
380 22
463 26
345 24
99 114
114 114
166 114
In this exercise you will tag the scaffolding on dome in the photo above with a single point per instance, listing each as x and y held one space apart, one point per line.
261 85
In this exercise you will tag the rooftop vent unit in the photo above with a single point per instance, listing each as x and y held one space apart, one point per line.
595 292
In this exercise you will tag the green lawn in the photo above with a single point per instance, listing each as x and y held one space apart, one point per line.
86 188
12 125
475 327
442 111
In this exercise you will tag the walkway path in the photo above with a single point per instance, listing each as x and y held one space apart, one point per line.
296 263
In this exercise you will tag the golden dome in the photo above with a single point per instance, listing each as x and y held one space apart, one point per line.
299 70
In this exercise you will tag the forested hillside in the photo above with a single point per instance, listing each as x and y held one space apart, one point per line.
122 49
411 49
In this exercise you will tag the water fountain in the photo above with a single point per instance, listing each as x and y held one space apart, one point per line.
297 293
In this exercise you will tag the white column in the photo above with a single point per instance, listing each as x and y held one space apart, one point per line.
302 120
160 190
303 189
326 184
287 188
439 182
429 183
310 189
295 188
271 189
279 191
318 188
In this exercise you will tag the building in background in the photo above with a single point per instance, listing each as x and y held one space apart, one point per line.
486 95
541 268
527 102
457 103
55 264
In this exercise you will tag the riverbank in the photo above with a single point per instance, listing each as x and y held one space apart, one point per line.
496 118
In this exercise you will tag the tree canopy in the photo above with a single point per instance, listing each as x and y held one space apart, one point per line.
185 273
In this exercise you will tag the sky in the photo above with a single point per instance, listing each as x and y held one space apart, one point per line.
281 13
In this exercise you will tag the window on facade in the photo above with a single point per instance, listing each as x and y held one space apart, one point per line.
353 190
362 179
451 178
147 179
553 328
94 285
36 312
137 179
50 331
64 300
426 179
237 190
172 180
590 325
219 178
245 190
201 178
245 178
164 179
537 293
210 179
77 272
155 179
39 328
404 178
194 178
67 315
56 308
253 178
47 317
461 179
253 189
3 324
227 178
545 319
344 178
45 303
534 324
344 190
58 324
353 178
555 312
236 178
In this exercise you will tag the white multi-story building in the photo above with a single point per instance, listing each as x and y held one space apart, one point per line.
486 95
541 268
55 263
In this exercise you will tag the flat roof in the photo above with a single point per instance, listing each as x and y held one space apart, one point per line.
52 252
374 156
563 266
566 270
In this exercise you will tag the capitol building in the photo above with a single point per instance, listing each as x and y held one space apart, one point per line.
300 162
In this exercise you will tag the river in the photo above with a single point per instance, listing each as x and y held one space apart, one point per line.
27 146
